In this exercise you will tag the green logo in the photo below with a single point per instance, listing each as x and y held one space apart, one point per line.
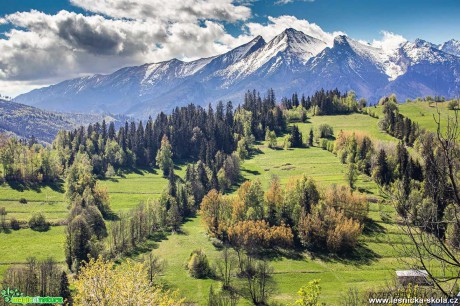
14 296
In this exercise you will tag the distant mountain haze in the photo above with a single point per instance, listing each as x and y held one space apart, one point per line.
290 62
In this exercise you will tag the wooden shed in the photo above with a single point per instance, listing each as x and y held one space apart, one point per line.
415 277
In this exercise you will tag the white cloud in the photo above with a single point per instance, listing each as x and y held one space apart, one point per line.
170 11
281 2
43 48
65 45
389 41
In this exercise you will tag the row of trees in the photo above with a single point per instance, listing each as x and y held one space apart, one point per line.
323 102
426 194
28 161
89 205
397 125
192 133
384 163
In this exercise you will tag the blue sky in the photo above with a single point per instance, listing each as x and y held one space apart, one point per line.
433 20
46 41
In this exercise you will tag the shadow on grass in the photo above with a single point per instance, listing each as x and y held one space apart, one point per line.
21 186
361 255
364 190
5 230
150 244
136 170
279 254
111 215
253 172
372 228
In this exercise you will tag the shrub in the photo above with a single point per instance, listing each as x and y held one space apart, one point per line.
217 243
323 143
325 131
453 105
23 201
198 265
14 223
38 223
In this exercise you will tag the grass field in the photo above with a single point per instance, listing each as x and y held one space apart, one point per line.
15 246
314 162
422 113
49 201
353 122
374 265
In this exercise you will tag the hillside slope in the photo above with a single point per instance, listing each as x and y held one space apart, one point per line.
25 121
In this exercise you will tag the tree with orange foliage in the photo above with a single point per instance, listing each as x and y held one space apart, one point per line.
255 235
215 211
273 201
328 229
353 205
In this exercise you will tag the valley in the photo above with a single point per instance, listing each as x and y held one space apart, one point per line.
370 266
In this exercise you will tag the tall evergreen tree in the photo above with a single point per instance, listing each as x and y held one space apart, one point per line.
296 137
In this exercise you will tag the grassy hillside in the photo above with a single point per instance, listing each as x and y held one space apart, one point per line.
373 265
354 122
422 113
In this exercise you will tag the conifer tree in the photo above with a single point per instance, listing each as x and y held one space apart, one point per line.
296 137
382 174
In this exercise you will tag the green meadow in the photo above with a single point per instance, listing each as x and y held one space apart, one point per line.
424 113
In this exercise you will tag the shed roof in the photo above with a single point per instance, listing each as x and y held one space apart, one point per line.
412 273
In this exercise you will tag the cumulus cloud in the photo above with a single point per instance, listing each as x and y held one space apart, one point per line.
43 48
54 47
389 41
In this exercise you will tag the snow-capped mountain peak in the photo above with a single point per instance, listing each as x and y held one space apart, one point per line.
289 47
423 51
452 47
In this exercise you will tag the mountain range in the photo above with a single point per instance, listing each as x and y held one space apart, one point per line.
290 62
